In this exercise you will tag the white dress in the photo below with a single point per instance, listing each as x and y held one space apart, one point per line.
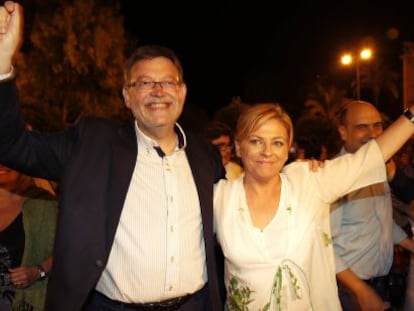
289 265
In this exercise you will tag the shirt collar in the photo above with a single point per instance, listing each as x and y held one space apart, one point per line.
150 143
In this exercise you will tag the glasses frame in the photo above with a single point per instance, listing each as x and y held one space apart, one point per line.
147 85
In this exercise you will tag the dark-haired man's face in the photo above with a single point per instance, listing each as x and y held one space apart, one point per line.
155 106
363 123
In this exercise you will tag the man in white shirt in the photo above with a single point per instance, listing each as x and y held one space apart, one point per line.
135 225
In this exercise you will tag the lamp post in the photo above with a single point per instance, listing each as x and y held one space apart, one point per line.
348 58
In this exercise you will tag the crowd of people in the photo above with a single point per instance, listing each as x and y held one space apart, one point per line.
150 216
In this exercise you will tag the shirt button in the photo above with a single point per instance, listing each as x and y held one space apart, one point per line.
99 263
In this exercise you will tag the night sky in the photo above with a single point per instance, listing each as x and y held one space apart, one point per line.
266 51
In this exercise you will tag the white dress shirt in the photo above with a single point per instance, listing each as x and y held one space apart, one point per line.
158 252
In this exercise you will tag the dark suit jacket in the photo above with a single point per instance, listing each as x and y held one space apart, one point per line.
93 162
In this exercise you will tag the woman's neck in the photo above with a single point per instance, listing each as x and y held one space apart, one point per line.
262 185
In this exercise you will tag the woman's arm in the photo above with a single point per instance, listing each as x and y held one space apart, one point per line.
24 276
394 137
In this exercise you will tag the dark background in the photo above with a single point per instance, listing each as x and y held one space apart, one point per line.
266 50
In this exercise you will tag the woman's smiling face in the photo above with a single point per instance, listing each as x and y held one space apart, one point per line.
265 150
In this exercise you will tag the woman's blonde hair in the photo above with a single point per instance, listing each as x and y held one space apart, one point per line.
255 116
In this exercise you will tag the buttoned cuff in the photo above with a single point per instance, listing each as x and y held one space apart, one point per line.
8 76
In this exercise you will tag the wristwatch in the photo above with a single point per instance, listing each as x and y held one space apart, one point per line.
42 272
409 115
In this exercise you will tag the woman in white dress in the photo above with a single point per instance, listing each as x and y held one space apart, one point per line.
273 224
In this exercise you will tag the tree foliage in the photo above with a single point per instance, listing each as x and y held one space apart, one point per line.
319 115
323 99
73 64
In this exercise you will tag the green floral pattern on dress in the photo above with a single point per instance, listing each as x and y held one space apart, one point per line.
327 240
241 296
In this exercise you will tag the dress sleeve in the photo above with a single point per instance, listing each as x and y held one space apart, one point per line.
351 171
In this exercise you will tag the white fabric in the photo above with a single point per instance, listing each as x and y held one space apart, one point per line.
158 252
294 252
8 75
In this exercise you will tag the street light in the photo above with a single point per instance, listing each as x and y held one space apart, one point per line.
348 58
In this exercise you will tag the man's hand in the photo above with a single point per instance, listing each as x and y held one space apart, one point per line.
11 33
314 165
408 244
368 300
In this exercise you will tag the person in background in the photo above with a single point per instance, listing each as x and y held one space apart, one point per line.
402 187
221 136
27 230
273 222
48 185
403 182
135 227
310 148
404 158
408 303
363 229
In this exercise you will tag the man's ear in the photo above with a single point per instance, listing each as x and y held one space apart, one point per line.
342 132
126 96
183 91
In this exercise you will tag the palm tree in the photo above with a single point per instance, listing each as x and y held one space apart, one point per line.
384 85
319 117
324 99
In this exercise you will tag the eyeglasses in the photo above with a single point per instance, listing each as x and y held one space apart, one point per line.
146 85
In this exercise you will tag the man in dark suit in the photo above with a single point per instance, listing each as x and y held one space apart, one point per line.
135 229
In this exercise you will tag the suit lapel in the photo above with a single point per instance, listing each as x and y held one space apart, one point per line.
124 155
203 174
203 180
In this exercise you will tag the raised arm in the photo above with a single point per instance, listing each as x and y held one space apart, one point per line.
396 134
11 33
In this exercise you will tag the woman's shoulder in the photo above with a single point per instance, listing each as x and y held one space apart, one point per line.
296 169
36 197
225 188
229 183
